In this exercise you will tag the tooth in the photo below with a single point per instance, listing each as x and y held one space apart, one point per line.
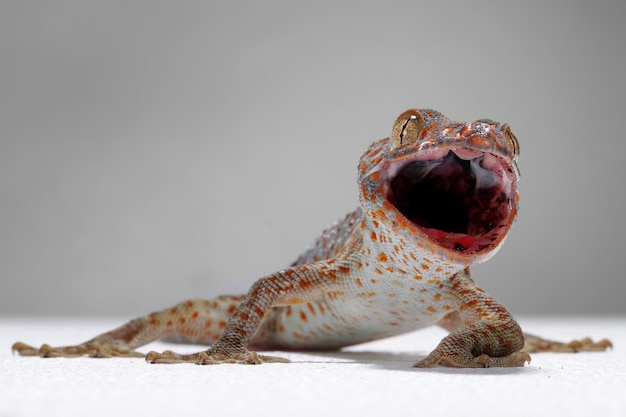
484 177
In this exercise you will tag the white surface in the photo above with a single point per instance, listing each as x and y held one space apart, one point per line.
371 379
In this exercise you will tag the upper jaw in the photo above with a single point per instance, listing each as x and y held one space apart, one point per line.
461 201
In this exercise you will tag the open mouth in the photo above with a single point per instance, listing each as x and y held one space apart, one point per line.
462 200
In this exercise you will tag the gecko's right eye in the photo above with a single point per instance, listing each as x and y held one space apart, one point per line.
407 128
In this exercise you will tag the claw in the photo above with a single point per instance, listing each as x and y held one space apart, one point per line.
538 344
23 349
212 358
516 359
87 349
588 345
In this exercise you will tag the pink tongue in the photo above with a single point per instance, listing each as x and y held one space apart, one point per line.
450 240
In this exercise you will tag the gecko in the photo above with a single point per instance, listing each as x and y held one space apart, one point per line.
436 197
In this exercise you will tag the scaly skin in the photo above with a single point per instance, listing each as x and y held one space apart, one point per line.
398 263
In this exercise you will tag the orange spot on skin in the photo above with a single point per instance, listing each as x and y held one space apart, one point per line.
431 309
358 282
388 206
195 315
222 324
437 297
382 257
232 308
332 275
373 236
469 304
344 269
311 308
169 323
174 310
259 312
208 324
480 141
303 316
334 294
426 130
405 223
182 320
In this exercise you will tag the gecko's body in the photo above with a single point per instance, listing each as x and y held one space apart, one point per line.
436 197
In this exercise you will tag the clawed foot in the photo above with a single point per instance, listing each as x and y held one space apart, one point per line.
91 349
459 360
210 357
538 344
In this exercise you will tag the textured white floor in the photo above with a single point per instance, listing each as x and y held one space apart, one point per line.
371 379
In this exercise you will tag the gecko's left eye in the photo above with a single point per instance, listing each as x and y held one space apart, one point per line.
407 128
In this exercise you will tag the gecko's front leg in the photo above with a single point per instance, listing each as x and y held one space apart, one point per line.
294 285
484 334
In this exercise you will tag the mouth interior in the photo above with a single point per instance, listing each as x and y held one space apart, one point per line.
461 204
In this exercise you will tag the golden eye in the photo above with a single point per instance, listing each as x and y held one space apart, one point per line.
512 139
407 128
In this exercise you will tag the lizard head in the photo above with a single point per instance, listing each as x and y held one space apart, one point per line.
451 187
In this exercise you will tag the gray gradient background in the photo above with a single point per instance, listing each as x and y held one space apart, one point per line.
156 151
